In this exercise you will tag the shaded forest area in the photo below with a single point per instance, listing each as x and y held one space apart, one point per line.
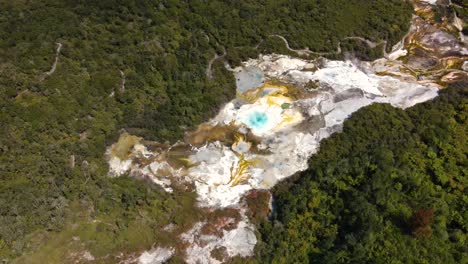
391 188
138 66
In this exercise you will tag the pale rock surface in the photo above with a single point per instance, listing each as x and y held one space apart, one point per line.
158 255
432 2
239 241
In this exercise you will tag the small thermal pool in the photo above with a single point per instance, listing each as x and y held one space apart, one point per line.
257 120
249 78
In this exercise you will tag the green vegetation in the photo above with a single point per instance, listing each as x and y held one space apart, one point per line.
138 66
391 188
127 217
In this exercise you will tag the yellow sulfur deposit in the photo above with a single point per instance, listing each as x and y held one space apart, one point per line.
240 174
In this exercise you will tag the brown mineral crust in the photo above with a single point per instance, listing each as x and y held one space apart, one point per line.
123 148
156 146
258 204
219 220
455 76
220 253
209 133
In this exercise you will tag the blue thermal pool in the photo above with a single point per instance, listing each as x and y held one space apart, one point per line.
257 120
